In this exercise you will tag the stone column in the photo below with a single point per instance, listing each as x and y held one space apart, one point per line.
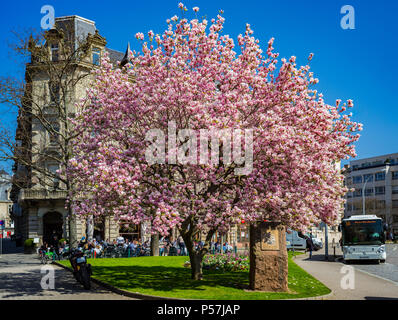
33 223
268 257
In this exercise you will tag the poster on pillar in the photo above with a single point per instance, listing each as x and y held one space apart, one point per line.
269 239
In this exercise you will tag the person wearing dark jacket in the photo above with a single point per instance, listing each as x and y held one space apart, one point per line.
310 245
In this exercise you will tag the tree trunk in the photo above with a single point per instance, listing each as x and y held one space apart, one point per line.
155 245
196 265
195 257
72 230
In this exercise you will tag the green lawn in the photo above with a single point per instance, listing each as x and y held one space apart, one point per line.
166 276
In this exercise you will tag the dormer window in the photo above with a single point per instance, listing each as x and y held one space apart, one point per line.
96 56
54 52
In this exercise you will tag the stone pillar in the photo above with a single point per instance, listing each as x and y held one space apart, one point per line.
33 223
268 257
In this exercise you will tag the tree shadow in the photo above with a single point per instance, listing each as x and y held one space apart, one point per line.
164 278
27 284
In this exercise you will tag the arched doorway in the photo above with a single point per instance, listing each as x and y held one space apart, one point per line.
52 222
99 228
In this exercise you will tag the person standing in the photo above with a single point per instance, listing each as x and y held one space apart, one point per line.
181 245
310 245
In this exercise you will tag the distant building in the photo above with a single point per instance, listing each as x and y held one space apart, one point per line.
6 204
375 184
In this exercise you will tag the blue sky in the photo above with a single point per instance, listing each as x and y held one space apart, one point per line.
355 64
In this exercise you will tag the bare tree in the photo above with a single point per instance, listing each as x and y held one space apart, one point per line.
58 72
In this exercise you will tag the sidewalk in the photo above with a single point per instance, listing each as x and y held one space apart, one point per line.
332 274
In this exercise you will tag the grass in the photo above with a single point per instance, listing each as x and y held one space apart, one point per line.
166 277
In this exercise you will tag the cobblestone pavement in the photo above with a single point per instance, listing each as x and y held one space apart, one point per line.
20 278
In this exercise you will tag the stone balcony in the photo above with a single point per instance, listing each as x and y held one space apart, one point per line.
41 194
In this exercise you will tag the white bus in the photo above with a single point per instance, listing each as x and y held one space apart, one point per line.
363 238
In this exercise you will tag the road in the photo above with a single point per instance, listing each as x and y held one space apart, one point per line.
387 270
21 277
352 282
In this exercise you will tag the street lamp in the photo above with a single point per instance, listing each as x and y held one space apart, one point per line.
363 195
363 188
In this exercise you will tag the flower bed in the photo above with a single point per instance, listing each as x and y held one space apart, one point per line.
226 262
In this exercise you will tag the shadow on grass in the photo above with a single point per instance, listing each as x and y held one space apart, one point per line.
160 278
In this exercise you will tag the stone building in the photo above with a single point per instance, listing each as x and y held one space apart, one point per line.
375 184
6 204
38 195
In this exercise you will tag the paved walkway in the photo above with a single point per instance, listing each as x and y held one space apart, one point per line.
20 279
335 275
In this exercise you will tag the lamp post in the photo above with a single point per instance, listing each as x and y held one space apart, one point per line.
363 195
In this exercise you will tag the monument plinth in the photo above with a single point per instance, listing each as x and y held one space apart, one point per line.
268 257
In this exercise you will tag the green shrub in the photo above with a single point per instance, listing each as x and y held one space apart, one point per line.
61 241
29 243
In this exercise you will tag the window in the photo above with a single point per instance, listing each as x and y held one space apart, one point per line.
395 219
367 177
129 231
356 206
54 52
380 190
358 193
96 56
380 176
357 179
243 233
54 136
394 189
380 204
54 91
394 175
53 169
368 191
395 203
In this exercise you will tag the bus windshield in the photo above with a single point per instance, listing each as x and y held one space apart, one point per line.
363 232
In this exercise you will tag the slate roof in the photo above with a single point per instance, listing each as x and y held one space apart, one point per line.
114 55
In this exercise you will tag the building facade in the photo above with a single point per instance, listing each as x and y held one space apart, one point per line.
7 228
375 184
75 47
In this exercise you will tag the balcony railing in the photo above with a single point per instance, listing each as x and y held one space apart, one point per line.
41 194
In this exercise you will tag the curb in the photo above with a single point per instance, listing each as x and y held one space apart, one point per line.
324 297
126 293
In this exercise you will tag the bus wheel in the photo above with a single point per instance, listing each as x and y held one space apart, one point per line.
383 261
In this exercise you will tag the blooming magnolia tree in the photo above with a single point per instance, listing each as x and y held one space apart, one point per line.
191 78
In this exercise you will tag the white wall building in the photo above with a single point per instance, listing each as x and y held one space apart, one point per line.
375 184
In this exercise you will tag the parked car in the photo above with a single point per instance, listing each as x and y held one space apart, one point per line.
295 240
318 244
